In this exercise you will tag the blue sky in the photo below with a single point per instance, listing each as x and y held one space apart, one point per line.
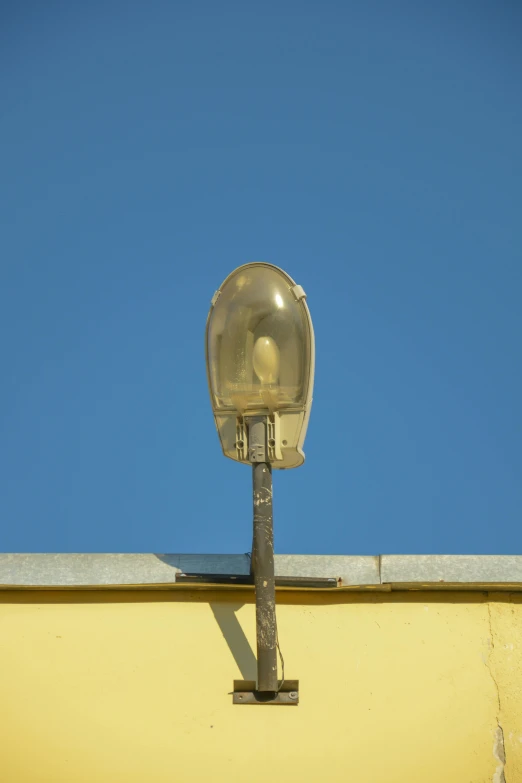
373 150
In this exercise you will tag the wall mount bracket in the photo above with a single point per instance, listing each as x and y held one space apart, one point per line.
246 580
245 693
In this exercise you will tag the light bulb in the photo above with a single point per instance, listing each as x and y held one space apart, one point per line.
265 359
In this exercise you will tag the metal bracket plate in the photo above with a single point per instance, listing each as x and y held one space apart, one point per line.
245 693
239 580
241 439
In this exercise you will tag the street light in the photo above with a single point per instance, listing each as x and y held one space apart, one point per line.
260 367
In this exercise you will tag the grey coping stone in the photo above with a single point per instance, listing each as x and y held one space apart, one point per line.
378 572
453 569
119 569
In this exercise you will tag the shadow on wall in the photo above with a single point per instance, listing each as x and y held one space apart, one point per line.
224 613
234 635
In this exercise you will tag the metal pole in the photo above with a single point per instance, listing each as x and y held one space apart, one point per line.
263 559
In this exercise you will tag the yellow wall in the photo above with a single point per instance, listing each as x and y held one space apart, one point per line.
134 687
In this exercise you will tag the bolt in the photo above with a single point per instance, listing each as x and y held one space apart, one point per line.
293 695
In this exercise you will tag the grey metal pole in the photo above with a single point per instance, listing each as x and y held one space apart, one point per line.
263 559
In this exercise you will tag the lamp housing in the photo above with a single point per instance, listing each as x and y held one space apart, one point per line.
260 362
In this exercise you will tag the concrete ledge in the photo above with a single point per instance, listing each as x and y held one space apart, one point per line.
98 570
388 572
443 571
353 570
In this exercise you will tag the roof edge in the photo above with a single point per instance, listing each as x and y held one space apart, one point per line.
47 571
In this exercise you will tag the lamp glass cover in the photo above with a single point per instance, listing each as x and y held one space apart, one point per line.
258 342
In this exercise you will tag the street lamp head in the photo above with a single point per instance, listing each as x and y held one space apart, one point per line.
260 362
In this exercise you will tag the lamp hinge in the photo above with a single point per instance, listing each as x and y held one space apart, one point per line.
215 298
298 292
